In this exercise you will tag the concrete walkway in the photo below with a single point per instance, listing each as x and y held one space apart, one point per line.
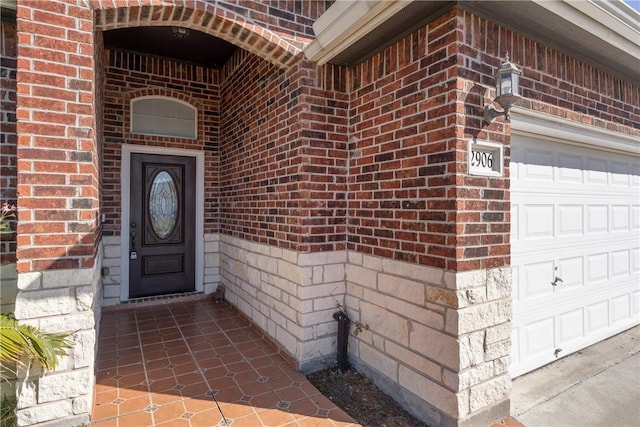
598 386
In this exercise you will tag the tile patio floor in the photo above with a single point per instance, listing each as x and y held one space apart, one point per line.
192 362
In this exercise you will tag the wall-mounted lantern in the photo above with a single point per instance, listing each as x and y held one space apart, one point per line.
507 90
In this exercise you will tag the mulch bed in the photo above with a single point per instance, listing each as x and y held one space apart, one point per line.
361 399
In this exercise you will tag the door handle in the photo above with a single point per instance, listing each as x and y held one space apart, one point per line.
555 281
133 240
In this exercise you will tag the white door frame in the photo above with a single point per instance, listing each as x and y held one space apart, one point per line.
125 185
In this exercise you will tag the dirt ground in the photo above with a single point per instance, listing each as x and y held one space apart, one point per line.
360 398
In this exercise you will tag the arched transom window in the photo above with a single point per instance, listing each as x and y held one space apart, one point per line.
159 115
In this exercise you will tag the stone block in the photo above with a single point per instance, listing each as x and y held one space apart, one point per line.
408 290
470 279
379 361
446 297
361 276
497 350
26 393
435 345
413 360
112 251
111 290
212 259
318 291
385 323
84 298
66 278
81 405
44 412
316 348
477 317
413 312
64 385
30 281
472 349
499 283
372 262
326 303
412 271
84 349
428 390
469 377
42 303
490 392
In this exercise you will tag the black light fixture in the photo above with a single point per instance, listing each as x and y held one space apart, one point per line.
507 79
180 32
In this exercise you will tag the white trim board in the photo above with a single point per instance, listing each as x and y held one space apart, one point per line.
125 194
558 129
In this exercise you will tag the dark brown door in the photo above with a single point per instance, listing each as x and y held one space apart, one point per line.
162 225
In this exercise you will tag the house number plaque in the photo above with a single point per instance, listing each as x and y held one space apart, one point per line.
485 158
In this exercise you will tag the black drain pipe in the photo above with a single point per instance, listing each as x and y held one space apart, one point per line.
343 337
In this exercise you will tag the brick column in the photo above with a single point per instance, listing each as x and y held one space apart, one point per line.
58 197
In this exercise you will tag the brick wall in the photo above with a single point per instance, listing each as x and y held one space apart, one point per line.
58 182
8 137
130 75
282 174
414 107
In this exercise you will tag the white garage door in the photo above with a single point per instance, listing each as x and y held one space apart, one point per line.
575 248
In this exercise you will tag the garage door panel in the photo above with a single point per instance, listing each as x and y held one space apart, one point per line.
575 215
597 268
570 220
597 316
621 308
620 265
597 219
538 221
570 327
571 270
620 218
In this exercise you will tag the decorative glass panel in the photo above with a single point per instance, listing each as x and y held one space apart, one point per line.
163 204
163 116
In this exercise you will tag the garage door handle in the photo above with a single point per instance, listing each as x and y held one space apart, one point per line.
556 280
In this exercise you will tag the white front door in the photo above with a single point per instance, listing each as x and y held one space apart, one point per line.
575 253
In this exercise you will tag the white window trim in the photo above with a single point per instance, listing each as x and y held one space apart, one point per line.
140 98
125 185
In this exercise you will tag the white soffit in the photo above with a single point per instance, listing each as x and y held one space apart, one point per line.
604 32
346 22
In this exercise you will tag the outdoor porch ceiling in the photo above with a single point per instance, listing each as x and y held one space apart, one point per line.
197 47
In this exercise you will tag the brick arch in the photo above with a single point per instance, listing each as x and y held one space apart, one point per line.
213 19
160 91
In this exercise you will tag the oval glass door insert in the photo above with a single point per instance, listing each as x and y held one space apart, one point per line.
163 204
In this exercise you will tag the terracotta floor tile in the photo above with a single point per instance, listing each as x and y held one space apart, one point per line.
180 422
211 417
101 412
189 363
132 405
247 421
140 419
275 417
265 401
112 422
162 399
168 412
199 404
